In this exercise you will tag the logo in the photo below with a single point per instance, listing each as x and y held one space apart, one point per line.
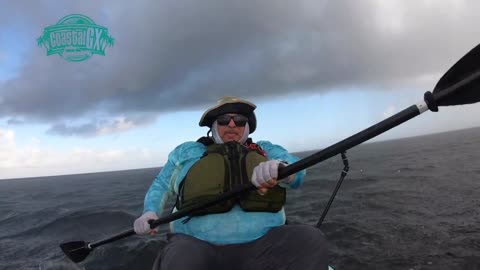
75 38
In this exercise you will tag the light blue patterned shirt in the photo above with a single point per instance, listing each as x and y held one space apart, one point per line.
235 226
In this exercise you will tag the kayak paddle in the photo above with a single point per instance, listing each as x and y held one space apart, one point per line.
456 87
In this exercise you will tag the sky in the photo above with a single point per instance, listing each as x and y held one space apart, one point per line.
318 71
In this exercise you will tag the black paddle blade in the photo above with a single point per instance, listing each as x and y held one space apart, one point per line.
461 84
76 251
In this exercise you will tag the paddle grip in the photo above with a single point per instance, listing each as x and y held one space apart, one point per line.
150 221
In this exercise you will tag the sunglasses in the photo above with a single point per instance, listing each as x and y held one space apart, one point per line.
239 120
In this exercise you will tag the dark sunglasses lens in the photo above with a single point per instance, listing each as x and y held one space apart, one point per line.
223 120
239 120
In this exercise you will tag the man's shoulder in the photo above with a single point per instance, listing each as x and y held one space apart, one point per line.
187 150
268 144
188 146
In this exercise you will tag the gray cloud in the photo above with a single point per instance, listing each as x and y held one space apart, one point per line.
14 121
179 55
99 127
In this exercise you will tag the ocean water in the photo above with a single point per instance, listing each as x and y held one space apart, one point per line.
405 204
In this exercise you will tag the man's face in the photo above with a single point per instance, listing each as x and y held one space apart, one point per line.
231 126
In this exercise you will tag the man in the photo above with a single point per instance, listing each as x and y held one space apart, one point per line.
243 233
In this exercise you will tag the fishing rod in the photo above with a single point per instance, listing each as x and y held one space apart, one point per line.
458 86
337 187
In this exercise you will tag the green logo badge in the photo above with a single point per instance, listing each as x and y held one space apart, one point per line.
75 38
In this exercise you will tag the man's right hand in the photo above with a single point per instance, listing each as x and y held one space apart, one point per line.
141 225
265 175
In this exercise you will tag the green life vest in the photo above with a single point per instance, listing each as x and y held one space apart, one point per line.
222 168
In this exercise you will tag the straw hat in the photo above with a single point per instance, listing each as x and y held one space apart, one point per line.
230 105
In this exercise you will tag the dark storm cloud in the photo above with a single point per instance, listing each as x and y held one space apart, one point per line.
176 55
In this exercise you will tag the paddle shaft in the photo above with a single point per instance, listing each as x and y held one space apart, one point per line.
352 141
283 172
112 239
182 213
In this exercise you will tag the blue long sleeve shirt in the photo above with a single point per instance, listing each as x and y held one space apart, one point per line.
235 226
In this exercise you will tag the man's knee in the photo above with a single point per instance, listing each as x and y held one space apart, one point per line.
310 234
186 252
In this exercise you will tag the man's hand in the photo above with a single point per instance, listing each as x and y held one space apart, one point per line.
141 225
265 175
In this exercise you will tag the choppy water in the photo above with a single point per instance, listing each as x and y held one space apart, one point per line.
405 204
